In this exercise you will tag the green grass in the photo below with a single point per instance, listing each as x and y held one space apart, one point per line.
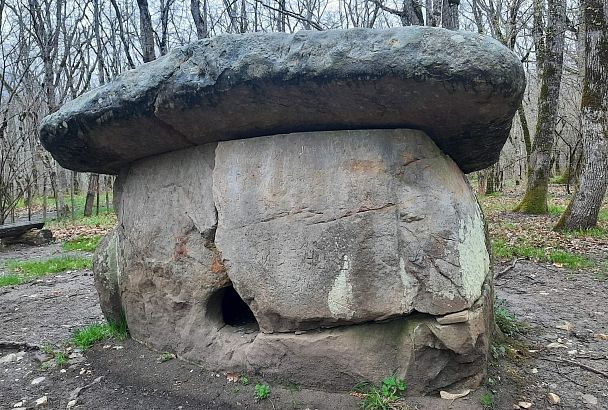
487 400
105 220
596 232
23 271
556 209
82 243
36 268
11 280
505 320
86 337
570 260
381 397
262 391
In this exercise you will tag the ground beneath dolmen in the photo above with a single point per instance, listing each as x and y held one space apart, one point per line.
562 348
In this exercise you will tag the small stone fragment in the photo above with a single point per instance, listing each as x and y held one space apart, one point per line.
38 380
453 396
534 370
18 404
567 326
458 317
71 404
590 399
12 357
556 345
524 404
43 401
553 398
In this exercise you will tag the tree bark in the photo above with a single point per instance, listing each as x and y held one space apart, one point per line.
91 191
449 14
146 31
200 18
582 212
551 55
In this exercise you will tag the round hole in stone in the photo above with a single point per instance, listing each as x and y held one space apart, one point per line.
235 312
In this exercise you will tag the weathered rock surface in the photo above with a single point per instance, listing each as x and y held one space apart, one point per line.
313 230
461 88
330 228
106 274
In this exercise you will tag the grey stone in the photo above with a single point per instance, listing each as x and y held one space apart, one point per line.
458 317
461 88
106 276
169 266
331 228
275 217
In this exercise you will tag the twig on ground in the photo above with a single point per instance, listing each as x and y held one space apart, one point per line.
575 363
76 392
508 268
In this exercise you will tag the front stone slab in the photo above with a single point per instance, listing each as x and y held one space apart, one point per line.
332 228
324 258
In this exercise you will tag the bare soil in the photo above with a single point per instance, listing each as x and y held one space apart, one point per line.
126 375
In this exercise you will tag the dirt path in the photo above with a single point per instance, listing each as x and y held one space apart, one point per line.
126 375
567 315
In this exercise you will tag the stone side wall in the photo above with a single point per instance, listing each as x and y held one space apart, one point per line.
349 247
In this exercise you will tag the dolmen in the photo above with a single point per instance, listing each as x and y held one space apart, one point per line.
294 205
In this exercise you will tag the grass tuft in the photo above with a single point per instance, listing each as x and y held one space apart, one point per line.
86 337
505 320
82 243
382 397
262 391
487 400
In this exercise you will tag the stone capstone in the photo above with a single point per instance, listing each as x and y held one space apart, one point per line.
460 88
326 258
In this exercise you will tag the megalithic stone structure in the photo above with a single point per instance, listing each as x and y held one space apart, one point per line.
294 205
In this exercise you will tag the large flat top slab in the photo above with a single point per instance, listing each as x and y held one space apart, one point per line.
461 88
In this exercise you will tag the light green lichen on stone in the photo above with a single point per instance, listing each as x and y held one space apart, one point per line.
340 297
473 254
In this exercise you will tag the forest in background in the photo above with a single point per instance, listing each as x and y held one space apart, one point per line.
55 50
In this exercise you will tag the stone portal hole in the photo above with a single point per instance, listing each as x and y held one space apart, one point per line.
232 310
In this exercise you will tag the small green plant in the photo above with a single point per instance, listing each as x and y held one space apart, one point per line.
61 359
506 321
497 350
244 380
262 391
487 400
165 357
381 398
86 337
392 387
82 243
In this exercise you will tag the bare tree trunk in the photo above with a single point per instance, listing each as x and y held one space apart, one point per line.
91 190
146 31
449 14
525 129
412 13
72 199
200 19
551 55
582 212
